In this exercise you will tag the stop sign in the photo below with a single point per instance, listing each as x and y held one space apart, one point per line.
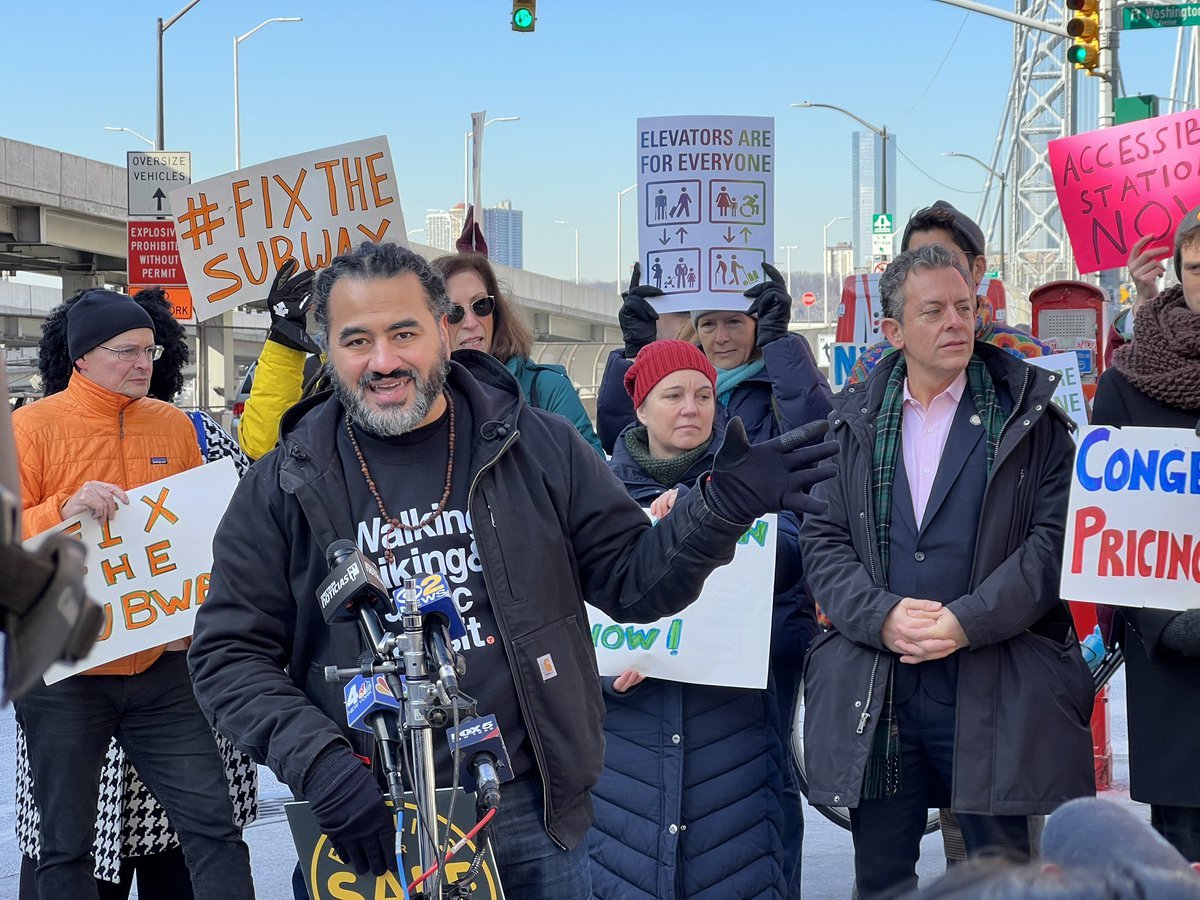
808 298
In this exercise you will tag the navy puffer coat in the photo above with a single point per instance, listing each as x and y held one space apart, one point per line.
690 801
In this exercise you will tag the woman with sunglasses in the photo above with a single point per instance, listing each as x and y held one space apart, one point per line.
483 319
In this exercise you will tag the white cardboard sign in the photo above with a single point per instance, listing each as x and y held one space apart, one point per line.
706 208
1068 395
236 230
1133 528
724 638
149 565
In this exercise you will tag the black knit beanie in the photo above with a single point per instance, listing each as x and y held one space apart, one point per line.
99 315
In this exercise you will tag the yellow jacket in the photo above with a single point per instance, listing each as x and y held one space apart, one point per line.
278 383
89 433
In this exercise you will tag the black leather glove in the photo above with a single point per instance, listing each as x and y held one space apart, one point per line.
771 305
288 304
637 316
748 481
348 806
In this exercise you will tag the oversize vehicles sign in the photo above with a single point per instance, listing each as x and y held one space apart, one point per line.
1119 184
149 565
1133 535
706 208
153 174
236 230
724 638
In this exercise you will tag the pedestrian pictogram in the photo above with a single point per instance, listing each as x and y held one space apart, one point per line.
705 190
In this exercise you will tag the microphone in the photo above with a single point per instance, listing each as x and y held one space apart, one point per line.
798 437
353 589
482 759
372 707
441 623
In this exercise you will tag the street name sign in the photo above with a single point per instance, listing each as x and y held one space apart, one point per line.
1180 14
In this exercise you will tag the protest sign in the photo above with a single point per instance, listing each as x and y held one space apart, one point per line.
706 208
1133 536
235 230
1068 394
1119 184
149 565
724 638
329 877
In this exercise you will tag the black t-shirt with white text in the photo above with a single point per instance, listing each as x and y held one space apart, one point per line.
409 472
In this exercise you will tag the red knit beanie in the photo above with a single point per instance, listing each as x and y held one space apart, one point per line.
658 360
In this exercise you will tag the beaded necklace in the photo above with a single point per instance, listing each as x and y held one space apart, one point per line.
396 523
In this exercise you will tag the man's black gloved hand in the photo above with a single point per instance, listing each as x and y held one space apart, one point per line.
748 481
1182 633
288 303
637 316
348 806
771 305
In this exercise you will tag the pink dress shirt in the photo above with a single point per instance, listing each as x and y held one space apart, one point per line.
925 433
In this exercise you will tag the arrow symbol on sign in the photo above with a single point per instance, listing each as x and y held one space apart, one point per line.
728 235
682 232
746 232
664 240
160 197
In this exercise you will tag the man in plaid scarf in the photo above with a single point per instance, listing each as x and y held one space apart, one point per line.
952 676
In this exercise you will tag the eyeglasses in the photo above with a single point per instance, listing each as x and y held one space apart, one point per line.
483 307
132 354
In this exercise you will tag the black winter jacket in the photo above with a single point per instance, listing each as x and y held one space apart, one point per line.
1162 687
1022 742
553 526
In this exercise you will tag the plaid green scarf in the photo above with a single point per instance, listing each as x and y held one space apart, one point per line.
882 777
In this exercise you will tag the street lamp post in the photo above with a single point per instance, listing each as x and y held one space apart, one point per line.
1003 188
880 130
131 131
789 248
825 266
620 268
160 138
576 230
467 164
237 106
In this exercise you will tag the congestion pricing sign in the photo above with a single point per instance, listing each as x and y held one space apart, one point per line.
153 174
1160 16
706 216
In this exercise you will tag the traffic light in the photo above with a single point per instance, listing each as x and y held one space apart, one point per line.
524 15
1084 27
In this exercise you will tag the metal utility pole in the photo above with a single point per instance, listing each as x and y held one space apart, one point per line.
160 142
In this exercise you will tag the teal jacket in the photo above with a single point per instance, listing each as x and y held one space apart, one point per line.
547 386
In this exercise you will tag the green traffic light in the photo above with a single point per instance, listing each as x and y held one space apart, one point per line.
523 19
1077 55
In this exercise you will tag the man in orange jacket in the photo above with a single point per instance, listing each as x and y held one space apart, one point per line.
79 451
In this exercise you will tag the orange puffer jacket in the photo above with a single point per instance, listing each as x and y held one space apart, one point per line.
89 433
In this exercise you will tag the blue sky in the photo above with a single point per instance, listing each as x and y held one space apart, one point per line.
935 75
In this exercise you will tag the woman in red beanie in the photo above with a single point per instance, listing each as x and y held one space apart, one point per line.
691 798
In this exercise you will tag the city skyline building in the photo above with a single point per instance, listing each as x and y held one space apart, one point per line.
443 226
503 229
839 263
866 170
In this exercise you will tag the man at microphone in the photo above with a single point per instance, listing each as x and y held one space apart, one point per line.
438 466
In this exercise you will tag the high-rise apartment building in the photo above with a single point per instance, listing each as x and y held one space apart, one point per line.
443 226
839 263
866 169
503 230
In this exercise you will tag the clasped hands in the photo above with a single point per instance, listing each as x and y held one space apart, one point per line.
922 631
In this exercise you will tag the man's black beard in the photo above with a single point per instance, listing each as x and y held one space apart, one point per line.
394 419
